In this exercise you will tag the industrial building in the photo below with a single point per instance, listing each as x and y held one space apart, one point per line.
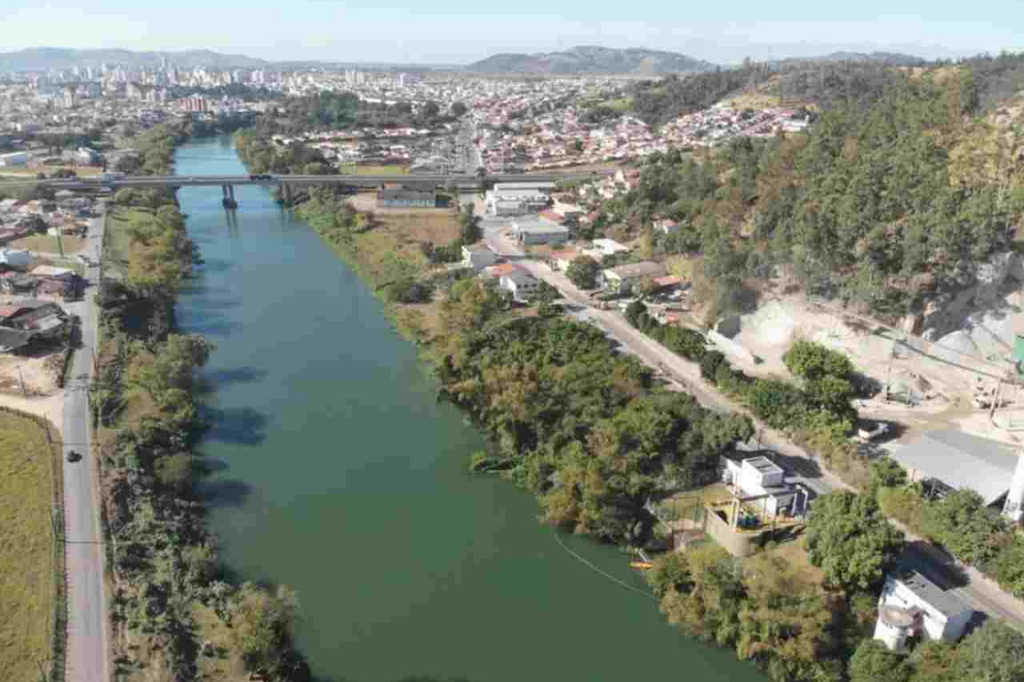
540 233
958 460
518 198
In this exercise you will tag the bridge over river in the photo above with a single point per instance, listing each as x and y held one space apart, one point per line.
288 182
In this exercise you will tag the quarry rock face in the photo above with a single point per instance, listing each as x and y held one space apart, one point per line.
949 312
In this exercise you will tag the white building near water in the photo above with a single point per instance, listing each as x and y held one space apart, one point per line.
911 604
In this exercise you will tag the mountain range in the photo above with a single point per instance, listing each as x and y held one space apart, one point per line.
44 58
590 59
582 60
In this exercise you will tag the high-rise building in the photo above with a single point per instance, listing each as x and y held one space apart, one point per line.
69 97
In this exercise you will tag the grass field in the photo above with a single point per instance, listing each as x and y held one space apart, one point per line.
116 242
353 169
47 244
26 549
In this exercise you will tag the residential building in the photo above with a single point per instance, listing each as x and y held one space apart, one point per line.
561 259
666 226
911 604
959 460
522 284
15 259
13 159
404 198
623 278
540 234
478 256
759 482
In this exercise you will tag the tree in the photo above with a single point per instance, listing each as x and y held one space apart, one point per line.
850 540
431 109
993 653
709 364
887 473
873 662
583 272
262 625
175 471
459 109
469 226
811 361
670 572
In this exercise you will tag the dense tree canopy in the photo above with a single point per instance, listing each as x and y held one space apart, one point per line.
849 538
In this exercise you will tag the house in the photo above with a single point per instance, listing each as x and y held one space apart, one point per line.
758 479
52 272
959 460
496 271
666 226
560 260
515 202
15 259
607 247
912 604
17 283
41 318
623 278
404 198
478 256
520 283
13 159
667 283
540 234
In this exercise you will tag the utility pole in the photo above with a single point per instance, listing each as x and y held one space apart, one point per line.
24 392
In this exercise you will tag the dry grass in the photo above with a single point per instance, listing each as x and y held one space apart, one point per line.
26 547
46 244
434 225
795 555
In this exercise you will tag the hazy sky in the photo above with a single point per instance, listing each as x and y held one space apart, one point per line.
458 31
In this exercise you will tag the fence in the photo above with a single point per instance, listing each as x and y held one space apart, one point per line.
58 625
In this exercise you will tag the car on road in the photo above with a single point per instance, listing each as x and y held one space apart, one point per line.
74 455
83 259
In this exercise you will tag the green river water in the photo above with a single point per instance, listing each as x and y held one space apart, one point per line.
337 473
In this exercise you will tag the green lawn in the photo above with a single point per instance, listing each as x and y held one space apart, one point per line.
26 549
353 169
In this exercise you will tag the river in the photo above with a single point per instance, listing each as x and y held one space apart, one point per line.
336 473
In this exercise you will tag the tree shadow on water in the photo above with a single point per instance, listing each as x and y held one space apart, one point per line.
219 378
242 426
226 493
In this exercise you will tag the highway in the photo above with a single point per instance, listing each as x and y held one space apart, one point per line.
979 592
151 181
87 634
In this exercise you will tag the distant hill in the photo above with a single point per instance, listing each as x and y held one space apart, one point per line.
886 58
592 60
45 58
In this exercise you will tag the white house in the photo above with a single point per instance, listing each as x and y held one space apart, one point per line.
607 247
760 479
912 604
521 284
478 256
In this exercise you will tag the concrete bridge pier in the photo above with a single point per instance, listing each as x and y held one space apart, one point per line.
229 196
286 192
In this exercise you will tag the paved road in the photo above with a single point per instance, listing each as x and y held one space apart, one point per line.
978 591
87 635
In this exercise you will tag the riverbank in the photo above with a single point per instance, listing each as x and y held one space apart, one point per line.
173 611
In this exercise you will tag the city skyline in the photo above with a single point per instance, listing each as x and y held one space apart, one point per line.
456 32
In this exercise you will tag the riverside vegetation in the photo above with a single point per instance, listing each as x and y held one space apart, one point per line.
175 615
